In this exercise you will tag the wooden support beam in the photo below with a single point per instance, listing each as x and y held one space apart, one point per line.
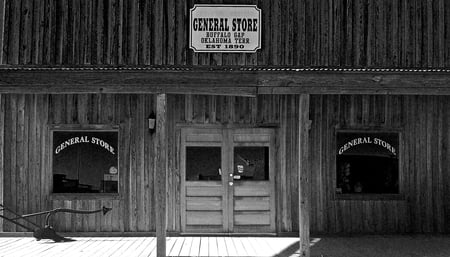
2 152
398 83
304 176
224 82
161 173
2 28
110 81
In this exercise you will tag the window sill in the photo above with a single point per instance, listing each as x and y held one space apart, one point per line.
370 197
85 196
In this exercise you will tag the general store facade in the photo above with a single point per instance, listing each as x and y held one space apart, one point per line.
257 142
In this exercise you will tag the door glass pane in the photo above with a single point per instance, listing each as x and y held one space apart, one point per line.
203 163
251 163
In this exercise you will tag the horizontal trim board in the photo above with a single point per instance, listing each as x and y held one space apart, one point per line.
174 68
229 82
251 138
203 138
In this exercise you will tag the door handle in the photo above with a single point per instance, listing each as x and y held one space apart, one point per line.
230 183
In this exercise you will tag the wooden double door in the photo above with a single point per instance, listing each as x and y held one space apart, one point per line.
227 180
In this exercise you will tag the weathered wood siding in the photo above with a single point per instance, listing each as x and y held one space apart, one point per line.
348 33
424 163
27 173
281 111
424 122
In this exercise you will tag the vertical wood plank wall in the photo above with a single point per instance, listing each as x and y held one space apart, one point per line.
424 166
26 169
351 33
423 120
265 110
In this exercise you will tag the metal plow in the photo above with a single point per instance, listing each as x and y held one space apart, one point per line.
46 232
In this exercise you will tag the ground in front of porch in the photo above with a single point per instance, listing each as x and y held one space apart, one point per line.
398 246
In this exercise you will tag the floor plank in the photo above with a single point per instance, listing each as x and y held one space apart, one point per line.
222 247
230 247
195 248
150 248
186 249
176 249
111 245
262 248
204 247
146 246
213 247
247 246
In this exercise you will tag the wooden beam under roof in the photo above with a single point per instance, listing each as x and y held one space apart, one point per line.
225 81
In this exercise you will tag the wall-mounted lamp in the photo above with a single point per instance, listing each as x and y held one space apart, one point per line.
152 122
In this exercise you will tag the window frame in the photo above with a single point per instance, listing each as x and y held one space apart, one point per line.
368 196
83 128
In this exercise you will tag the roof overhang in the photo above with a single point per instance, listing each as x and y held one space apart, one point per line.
243 81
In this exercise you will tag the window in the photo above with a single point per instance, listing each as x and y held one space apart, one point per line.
251 163
203 163
85 161
367 163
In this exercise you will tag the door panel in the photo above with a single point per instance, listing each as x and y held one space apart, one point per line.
252 203
249 188
203 203
253 181
227 180
252 218
202 198
204 218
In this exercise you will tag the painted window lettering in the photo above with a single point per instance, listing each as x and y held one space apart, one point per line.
367 162
85 161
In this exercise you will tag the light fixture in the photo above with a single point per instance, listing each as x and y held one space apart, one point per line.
152 122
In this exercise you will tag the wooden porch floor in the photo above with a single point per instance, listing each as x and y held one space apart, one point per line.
361 246
146 246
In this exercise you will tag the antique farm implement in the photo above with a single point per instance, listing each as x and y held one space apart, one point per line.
46 232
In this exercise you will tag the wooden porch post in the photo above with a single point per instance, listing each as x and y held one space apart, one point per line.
2 143
303 175
161 173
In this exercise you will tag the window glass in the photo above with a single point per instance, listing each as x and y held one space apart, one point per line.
251 163
85 162
367 163
203 163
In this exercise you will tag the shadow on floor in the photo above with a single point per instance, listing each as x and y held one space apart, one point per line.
386 246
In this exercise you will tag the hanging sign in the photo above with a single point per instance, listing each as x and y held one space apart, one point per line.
225 28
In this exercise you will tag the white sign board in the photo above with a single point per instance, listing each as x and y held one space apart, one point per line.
225 28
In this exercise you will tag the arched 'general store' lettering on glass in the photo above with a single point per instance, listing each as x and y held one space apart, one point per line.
85 139
367 140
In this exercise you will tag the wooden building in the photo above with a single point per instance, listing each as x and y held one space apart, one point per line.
336 85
